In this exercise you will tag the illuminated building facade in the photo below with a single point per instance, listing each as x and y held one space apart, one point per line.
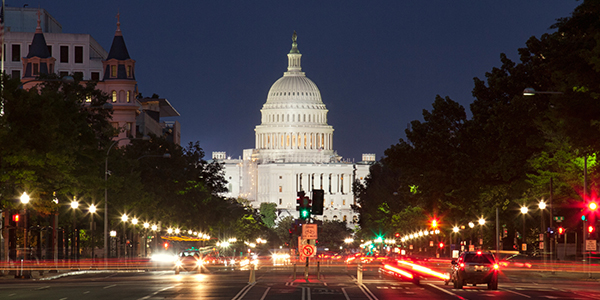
294 152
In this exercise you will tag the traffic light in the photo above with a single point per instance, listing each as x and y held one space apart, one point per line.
397 235
166 245
300 200
317 203
434 223
305 209
441 245
593 206
591 230
561 230
15 218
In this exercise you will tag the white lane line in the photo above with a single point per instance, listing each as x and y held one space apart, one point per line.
109 286
43 288
345 294
265 294
243 292
445 291
11 294
367 292
517 293
86 292
159 291
63 299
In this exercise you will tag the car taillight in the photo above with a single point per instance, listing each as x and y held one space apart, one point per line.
496 267
462 265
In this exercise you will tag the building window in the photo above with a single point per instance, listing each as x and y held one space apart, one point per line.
345 219
78 75
128 71
78 54
280 177
128 96
96 76
114 96
128 128
16 52
50 50
344 202
62 74
280 189
36 69
113 71
64 54
280 201
331 203
115 125
16 74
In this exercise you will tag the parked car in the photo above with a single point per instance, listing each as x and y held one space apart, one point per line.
475 267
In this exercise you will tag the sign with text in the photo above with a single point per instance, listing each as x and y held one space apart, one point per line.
590 245
309 231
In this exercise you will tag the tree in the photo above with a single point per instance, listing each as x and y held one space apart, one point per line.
268 212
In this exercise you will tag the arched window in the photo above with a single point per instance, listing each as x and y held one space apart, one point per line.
128 96
114 96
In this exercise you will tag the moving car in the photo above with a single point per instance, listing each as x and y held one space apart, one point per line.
475 267
188 260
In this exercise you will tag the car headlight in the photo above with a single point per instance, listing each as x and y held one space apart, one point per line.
199 262
178 263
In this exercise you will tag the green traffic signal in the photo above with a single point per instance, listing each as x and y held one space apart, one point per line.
304 213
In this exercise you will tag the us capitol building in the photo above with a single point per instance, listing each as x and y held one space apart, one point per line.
294 152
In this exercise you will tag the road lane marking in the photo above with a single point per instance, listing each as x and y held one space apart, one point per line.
345 294
109 286
86 292
43 288
265 294
517 293
445 291
159 291
305 293
367 292
243 291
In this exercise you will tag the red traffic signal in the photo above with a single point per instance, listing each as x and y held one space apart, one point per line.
15 218
593 206
590 229
166 245
434 223
397 234
561 230
441 245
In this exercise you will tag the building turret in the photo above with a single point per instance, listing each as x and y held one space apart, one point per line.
39 61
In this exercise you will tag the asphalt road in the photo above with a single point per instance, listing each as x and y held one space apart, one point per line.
336 282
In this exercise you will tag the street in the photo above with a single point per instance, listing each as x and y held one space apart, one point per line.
277 282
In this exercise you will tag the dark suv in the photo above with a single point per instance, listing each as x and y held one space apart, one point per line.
475 267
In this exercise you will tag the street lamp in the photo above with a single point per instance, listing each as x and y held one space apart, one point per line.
74 206
471 225
524 211
24 200
92 211
134 222
542 206
481 223
145 138
124 219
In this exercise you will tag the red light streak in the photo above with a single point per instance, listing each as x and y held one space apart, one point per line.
425 270
396 270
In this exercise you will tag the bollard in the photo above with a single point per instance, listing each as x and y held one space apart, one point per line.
306 270
359 273
294 275
318 270
252 275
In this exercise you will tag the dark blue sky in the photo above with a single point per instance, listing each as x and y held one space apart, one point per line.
378 64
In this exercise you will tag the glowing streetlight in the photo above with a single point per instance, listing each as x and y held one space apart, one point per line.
177 231
25 198
74 204
524 211
154 227
92 210
146 225
124 218
170 231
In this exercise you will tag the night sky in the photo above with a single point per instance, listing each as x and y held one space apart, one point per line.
378 64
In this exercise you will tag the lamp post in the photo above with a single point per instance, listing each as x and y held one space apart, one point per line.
542 206
24 200
134 222
145 138
471 225
146 226
524 211
481 223
74 206
92 210
124 219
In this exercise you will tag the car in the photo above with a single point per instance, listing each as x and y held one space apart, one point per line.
188 260
475 267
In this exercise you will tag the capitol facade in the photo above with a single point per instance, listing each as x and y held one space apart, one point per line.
294 152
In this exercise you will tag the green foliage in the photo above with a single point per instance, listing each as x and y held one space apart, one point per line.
268 212
332 234
511 148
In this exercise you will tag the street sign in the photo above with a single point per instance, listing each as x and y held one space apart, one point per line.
559 218
309 231
308 250
590 245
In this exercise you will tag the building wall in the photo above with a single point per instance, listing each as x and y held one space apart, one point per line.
92 57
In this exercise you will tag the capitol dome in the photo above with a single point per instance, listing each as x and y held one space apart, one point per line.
294 119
